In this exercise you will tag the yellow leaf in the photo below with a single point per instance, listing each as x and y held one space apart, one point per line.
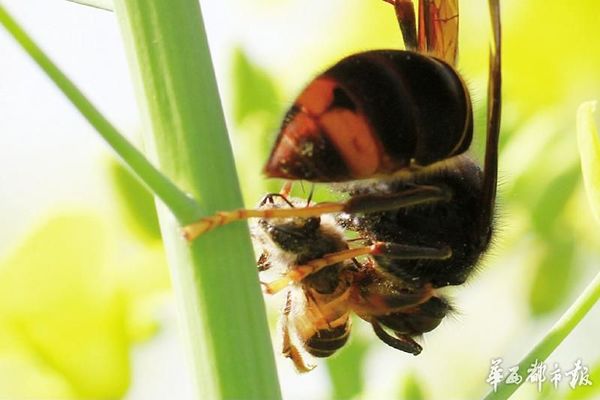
589 150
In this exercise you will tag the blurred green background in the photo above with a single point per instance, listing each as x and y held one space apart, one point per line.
85 303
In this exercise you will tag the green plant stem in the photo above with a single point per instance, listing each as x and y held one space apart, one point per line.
183 207
215 281
555 336
101 4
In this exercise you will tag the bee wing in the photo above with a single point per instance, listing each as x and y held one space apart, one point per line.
405 12
438 29
494 109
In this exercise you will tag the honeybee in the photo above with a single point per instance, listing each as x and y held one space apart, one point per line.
390 128
317 309
316 313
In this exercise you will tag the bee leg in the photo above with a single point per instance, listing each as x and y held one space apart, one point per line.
357 204
369 203
289 350
320 319
268 198
310 195
286 189
195 229
263 262
405 12
299 272
402 342
407 252
393 250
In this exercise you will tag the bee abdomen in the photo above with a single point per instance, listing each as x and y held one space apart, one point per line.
374 113
417 106
325 342
423 318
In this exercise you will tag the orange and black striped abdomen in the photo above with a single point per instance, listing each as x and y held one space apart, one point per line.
417 320
373 113
325 342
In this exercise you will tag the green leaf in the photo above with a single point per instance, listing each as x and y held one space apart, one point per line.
257 109
345 370
136 203
552 280
412 389
546 212
589 150
254 90
61 316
